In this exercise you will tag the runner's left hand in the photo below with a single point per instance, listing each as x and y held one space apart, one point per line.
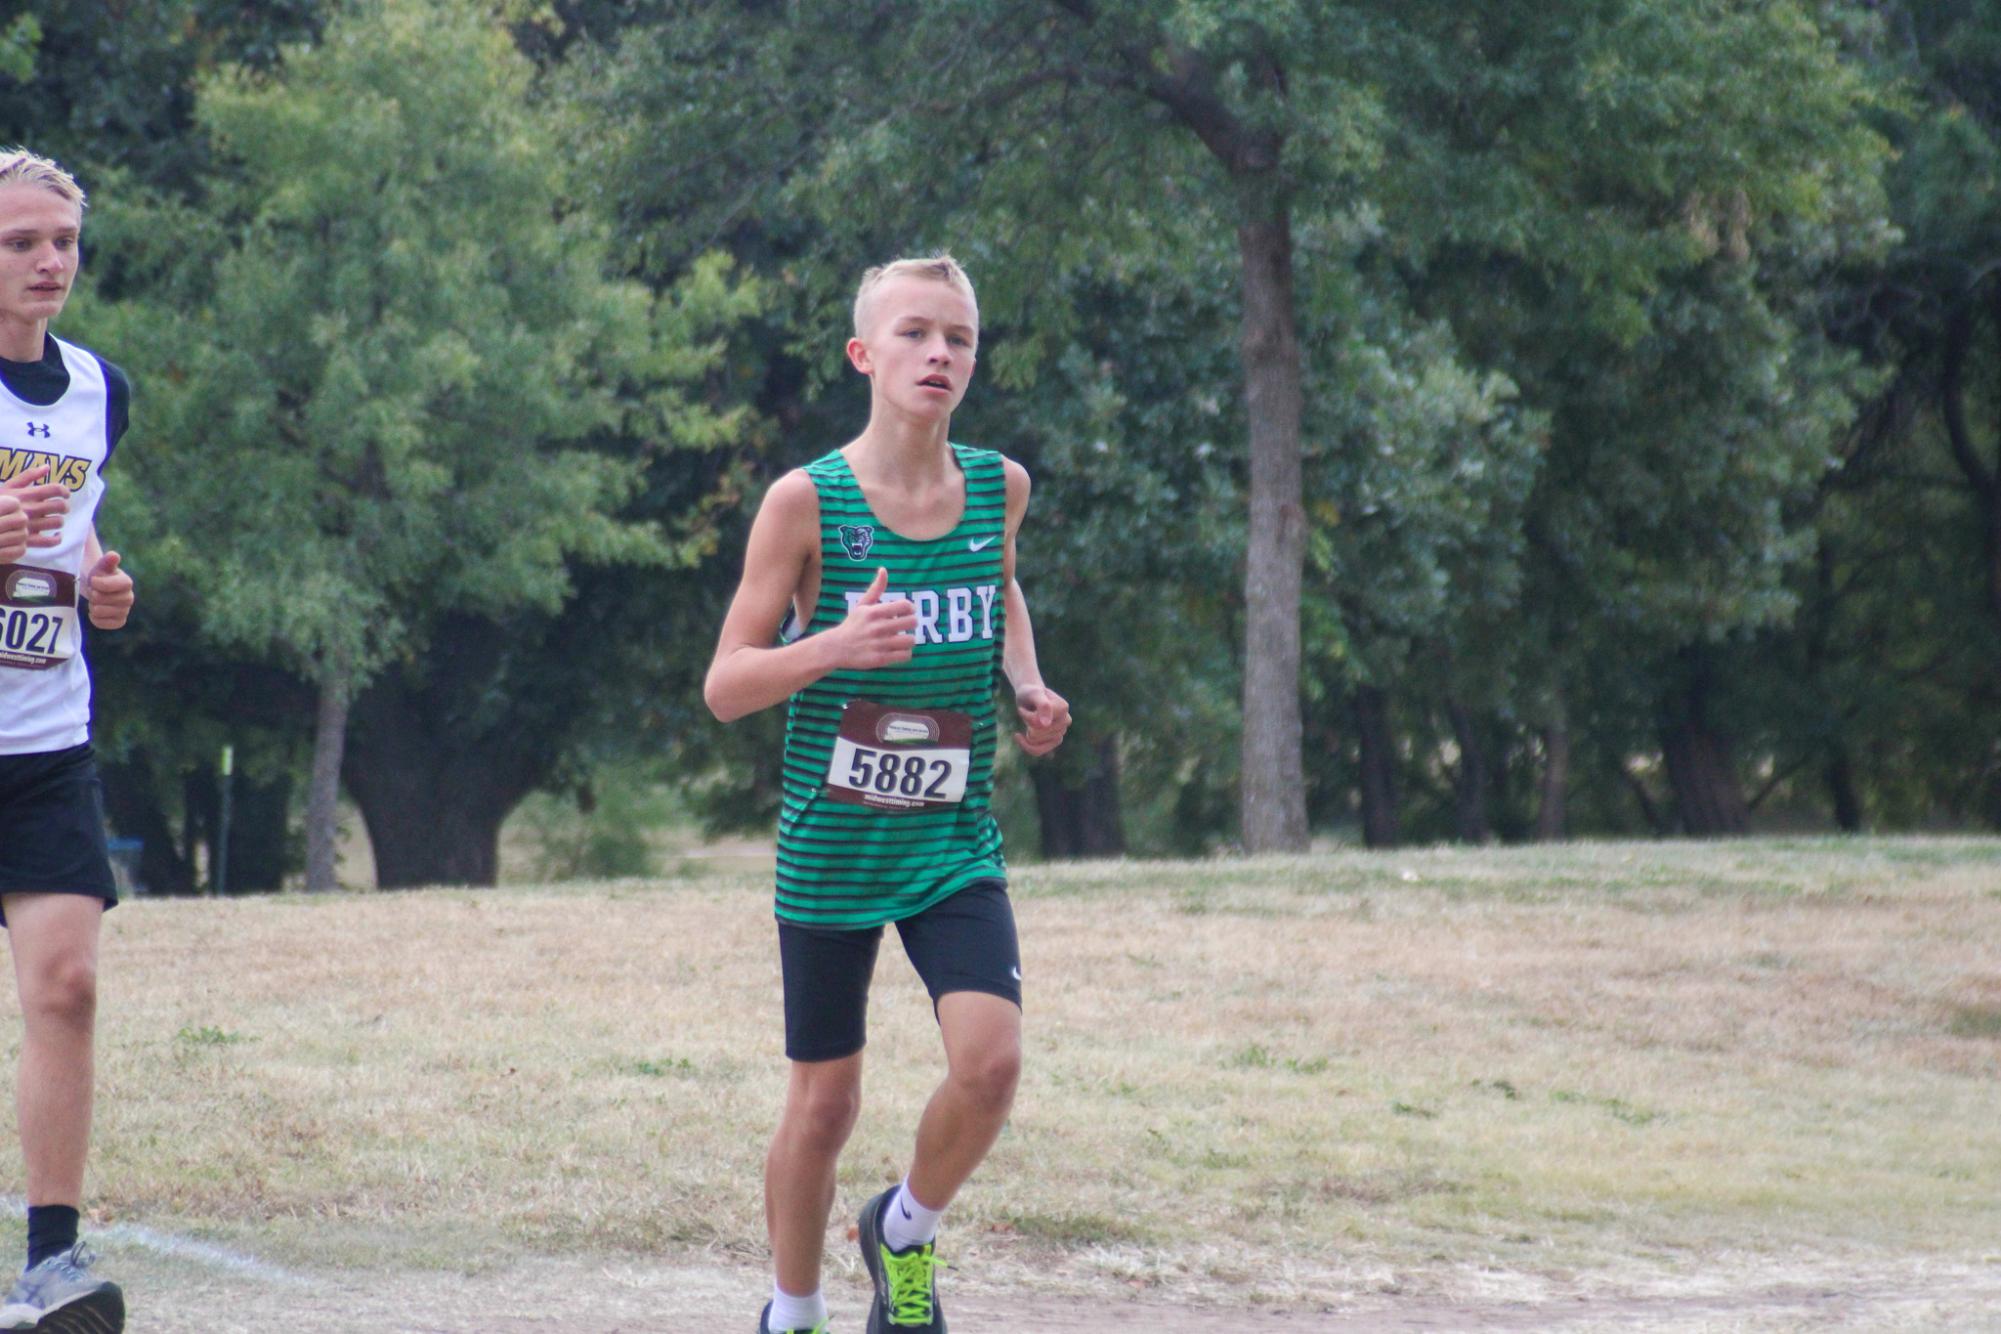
110 592
1045 717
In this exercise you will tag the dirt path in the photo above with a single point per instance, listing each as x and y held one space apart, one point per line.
182 1290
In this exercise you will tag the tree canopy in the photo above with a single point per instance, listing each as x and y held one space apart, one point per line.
1447 421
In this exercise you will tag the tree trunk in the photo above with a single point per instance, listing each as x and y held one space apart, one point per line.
433 785
1991 525
259 834
132 803
1273 797
197 814
323 793
201 819
1377 746
1840 775
1469 780
259 827
1982 479
1272 793
1552 818
434 835
1706 796
1650 810
1081 819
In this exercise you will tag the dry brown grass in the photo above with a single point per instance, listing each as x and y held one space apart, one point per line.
1380 1071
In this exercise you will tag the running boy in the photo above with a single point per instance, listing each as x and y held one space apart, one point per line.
62 410
894 556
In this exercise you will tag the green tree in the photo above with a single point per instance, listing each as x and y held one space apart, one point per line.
112 97
1616 204
113 84
412 396
1237 108
1941 295
1416 483
1884 694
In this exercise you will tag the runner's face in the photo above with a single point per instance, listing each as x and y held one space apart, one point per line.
921 340
38 252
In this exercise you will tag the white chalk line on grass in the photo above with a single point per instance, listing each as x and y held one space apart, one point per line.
180 1248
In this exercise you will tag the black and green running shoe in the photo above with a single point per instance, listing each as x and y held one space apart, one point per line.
764 1325
906 1288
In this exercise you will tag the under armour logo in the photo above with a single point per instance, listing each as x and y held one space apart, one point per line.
38 428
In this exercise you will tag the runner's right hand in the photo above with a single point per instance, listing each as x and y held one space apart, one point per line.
13 530
876 633
31 513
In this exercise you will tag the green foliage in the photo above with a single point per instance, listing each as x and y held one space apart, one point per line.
1624 329
1884 691
1417 480
412 389
677 1067
1565 398
606 829
112 87
18 41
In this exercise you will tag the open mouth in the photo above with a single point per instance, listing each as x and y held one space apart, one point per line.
936 382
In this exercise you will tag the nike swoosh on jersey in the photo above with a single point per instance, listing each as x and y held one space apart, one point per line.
979 543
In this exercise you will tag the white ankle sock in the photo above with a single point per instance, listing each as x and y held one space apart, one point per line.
906 1223
789 1312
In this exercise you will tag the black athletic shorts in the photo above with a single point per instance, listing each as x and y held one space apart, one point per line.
964 943
52 826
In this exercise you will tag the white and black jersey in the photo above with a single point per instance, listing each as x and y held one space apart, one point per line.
66 411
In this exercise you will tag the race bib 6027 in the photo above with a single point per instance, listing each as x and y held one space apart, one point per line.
38 625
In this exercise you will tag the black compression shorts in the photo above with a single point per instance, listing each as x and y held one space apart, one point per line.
963 943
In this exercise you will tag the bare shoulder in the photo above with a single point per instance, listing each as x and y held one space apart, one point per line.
785 536
1017 488
791 507
793 496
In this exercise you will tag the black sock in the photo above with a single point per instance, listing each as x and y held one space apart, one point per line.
51 1231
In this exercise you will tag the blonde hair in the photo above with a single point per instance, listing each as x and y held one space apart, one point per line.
940 268
18 164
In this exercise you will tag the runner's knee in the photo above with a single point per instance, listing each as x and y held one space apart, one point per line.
822 1118
989 1076
61 992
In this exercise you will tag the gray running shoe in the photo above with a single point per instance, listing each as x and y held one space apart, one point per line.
58 1296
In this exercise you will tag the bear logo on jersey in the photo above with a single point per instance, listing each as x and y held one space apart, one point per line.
858 539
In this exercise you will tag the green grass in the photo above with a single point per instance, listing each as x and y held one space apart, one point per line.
1975 1021
1592 1057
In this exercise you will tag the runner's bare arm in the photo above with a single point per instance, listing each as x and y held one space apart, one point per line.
1045 715
108 588
750 673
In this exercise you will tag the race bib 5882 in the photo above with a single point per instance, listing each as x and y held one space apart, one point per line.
900 759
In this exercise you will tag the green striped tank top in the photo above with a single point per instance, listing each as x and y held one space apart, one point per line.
849 865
